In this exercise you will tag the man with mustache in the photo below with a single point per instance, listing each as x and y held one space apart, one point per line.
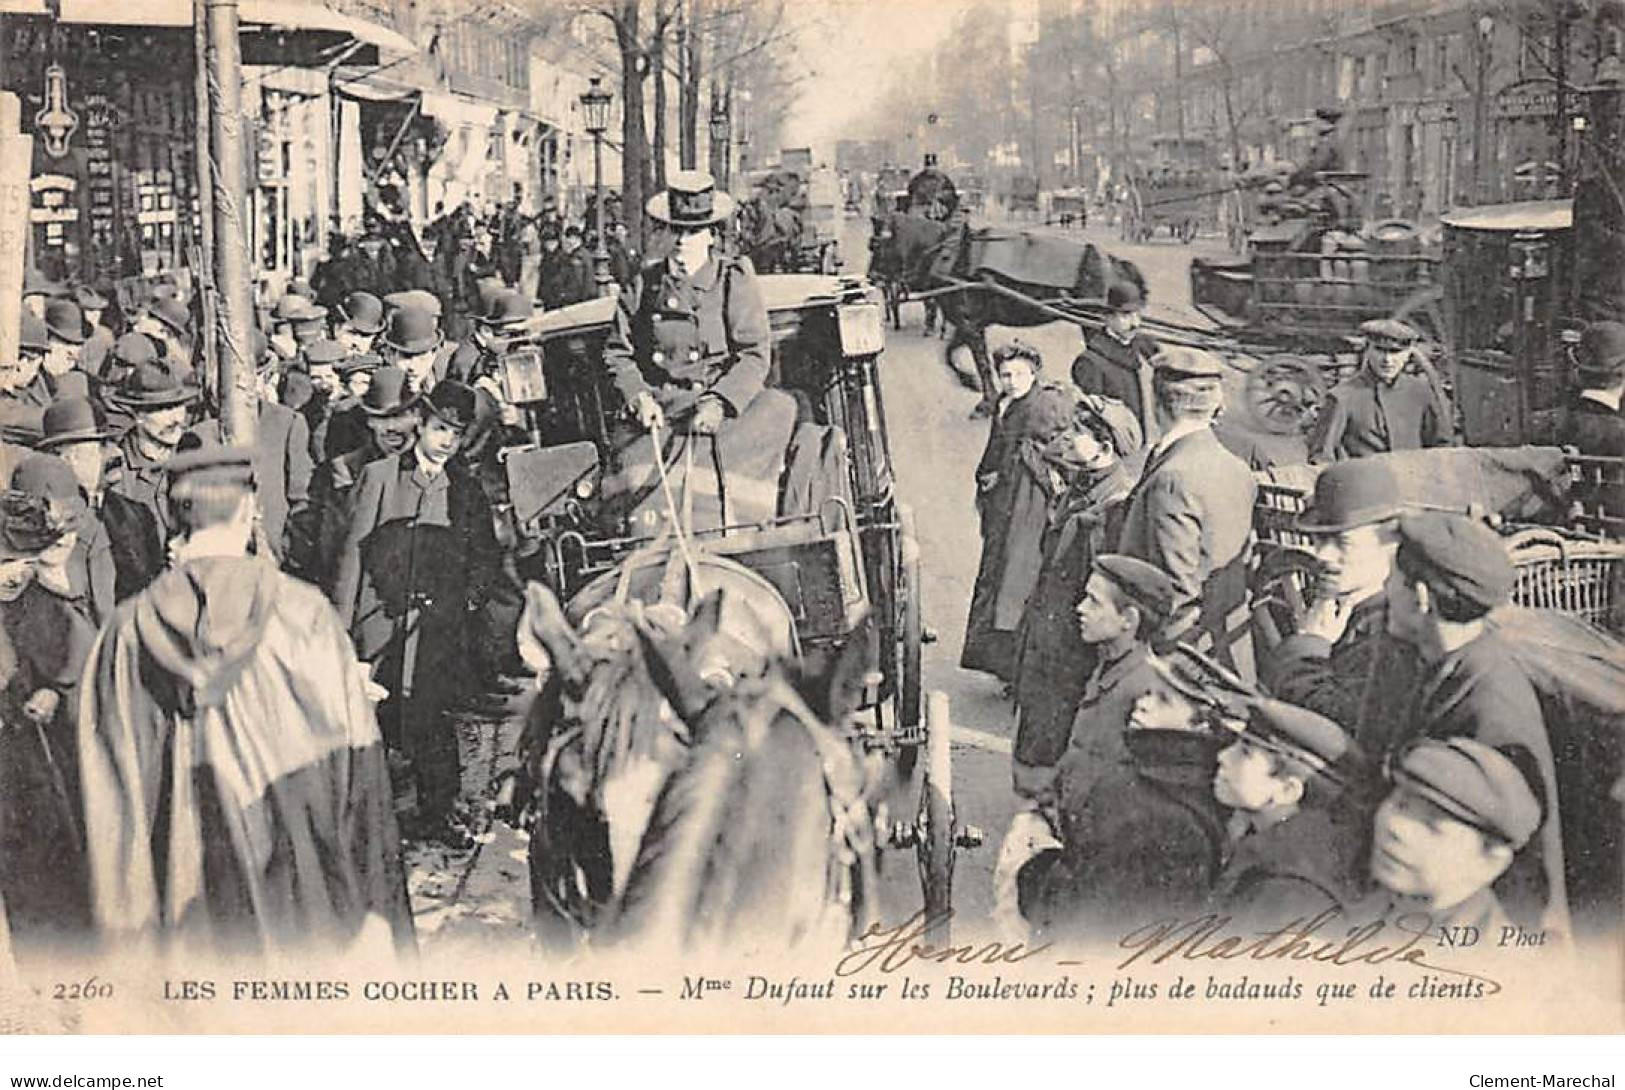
160 405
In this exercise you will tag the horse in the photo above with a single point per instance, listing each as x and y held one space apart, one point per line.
688 785
911 253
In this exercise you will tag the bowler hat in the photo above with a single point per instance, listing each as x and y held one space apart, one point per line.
390 393
71 420
153 386
65 321
1457 553
363 312
32 332
1146 585
1305 736
1354 493
1602 351
509 308
134 349
415 299
1176 363
1124 295
1473 783
172 312
325 352
89 298
412 331
690 200
453 402
43 503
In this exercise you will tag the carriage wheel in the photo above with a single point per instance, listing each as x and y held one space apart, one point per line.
934 848
1284 394
906 682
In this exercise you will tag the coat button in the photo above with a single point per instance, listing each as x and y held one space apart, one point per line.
672 302
693 355
659 357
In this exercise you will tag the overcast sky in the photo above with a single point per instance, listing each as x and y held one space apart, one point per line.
857 46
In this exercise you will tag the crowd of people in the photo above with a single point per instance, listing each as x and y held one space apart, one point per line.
1417 746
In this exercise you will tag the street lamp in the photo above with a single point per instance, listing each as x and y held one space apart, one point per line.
720 129
595 102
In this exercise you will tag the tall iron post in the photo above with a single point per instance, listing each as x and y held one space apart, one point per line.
233 274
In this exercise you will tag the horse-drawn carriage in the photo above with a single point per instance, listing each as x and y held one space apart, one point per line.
828 588
1177 186
1069 207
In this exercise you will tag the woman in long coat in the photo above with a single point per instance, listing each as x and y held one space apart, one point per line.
1053 662
1015 488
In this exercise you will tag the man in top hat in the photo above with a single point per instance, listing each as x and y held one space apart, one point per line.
421 555
389 419
74 432
1296 844
568 277
361 320
1391 403
1449 572
159 403
1117 361
1120 616
1595 426
413 342
227 672
931 193
1191 512
1327 664
100 341
66 332
1459 815
47 631
1144 835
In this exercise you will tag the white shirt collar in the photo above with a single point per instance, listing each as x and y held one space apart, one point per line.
428 468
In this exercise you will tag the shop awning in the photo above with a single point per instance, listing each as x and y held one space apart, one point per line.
290 14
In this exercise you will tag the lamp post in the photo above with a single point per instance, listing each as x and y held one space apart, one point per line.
595 102
1486 45
721 127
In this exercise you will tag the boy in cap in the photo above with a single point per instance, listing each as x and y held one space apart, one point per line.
1449 572
1296 843
46 628
227 672
1117 361
1459 814
1353 521
419 556
1388 404
1191 512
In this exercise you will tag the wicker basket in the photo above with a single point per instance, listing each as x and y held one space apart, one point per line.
1582 578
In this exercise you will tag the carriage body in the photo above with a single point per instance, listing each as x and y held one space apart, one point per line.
854 556
1176 185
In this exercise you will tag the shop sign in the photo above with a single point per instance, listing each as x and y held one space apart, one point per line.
56 123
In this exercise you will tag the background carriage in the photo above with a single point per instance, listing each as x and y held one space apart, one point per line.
1177 185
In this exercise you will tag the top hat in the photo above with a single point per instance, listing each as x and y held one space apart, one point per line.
412 331
690 200
363 312
71 420
1124 295
1354 493
65 322
153 386
43 503
89 298
1602 351
390 393
453 402
508 308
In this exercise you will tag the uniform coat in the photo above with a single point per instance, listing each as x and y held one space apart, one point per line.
1191 515
1146 837
1364 415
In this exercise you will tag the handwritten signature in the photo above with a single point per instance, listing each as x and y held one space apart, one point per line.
887 948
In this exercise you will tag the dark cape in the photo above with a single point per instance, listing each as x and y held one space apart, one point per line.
1053 662
1014 514
236 799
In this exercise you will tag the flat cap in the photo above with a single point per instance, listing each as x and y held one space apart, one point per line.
325 352
1298 733
1457 553
1176 363
1389 333
1354 493
1602 351
1473 783
1146 585
1204 680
